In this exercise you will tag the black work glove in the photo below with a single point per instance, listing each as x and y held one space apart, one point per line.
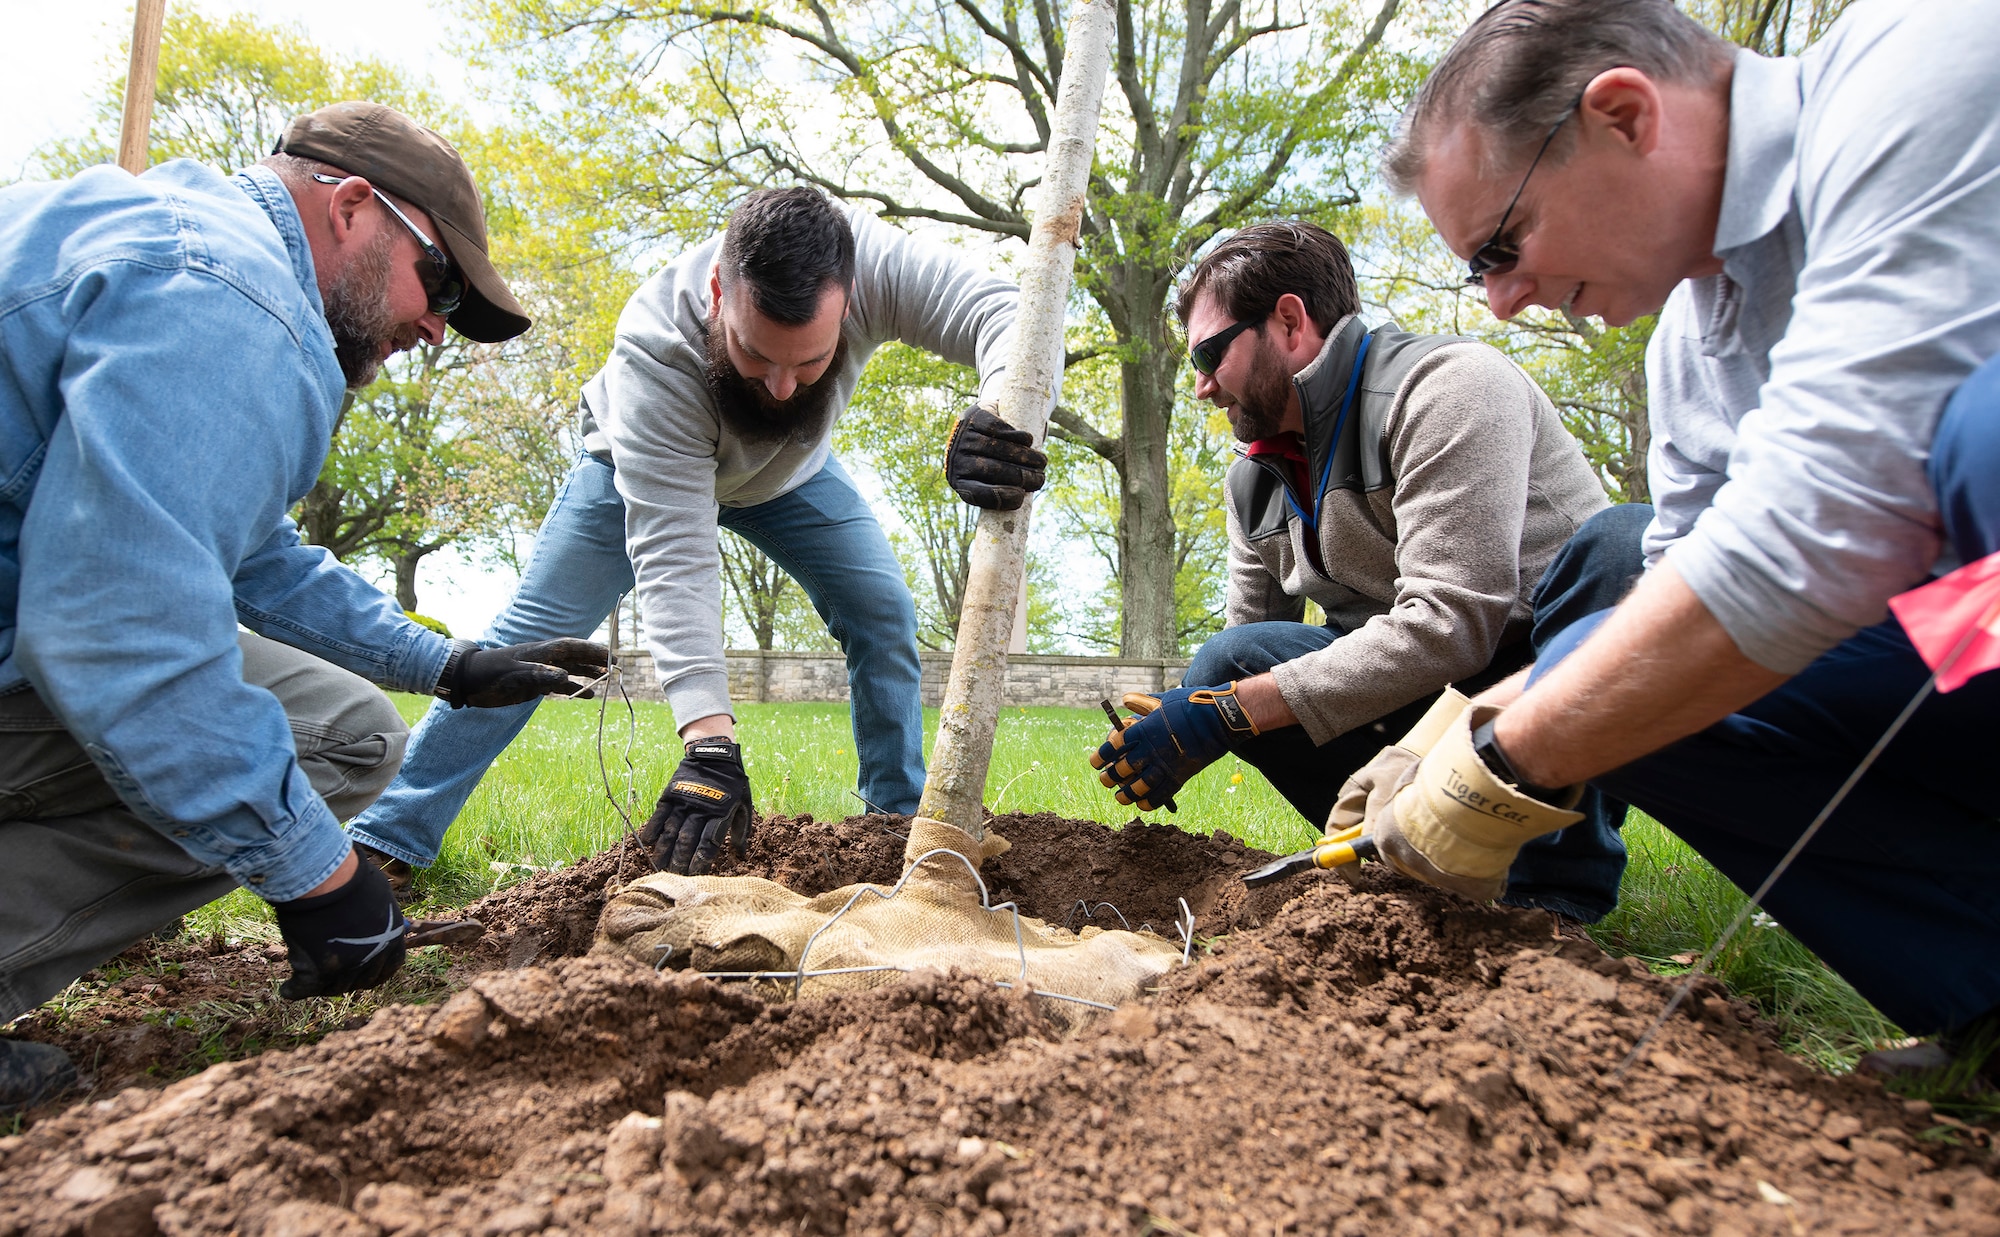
990 463
516 674
706 800
343 941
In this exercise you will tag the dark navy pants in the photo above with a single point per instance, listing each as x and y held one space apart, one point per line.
1575 871
1900 891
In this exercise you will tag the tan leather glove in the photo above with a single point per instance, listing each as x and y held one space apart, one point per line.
1448 820
1372 784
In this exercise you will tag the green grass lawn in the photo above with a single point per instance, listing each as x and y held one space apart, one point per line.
545 803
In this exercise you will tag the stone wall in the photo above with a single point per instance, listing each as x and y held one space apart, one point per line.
1074 682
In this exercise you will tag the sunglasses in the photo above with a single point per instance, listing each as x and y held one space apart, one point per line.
1498 256
442 283
1207 354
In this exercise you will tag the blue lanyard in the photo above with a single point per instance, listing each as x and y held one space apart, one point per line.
1339 425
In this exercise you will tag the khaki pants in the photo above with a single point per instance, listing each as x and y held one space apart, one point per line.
82 878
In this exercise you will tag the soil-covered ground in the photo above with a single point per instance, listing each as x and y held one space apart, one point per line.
1335 1060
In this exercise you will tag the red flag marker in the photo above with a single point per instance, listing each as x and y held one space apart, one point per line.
1954 621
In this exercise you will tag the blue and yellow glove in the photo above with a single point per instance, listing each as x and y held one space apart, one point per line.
1177 734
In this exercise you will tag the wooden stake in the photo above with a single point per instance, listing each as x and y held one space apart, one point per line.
135 134
971 710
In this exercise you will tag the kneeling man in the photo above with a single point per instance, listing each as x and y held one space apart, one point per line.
1417 487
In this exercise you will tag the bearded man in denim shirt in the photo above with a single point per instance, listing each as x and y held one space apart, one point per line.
174 352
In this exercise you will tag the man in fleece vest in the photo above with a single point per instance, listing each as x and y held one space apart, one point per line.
715 411
1417 487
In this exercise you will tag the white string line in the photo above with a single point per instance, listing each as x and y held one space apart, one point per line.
1805 839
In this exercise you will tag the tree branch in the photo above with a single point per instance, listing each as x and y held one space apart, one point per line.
1070 427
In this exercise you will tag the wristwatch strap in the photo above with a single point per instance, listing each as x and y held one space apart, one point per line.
1487 748
448 678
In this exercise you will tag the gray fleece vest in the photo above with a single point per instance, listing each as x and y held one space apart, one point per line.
1345 424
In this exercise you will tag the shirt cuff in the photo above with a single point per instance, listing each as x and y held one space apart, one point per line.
700 694
291 864
418 661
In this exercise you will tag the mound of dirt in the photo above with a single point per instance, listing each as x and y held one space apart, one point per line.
1382 1059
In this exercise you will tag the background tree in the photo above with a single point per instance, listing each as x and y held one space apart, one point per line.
1223 113
461 444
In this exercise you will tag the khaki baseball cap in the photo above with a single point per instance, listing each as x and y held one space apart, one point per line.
400 156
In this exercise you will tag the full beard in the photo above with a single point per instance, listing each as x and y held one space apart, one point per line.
1260 407
747 409
358 313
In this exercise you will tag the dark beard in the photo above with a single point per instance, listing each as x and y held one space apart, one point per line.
358 313
747 409
1260 407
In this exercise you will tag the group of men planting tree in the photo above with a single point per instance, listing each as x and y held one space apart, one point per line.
1815 232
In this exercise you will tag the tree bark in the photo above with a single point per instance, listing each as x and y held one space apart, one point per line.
405 562
1146 513
955 788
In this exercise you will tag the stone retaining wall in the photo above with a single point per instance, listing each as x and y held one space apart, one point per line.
1074 682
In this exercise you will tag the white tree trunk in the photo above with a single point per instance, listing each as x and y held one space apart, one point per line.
957 780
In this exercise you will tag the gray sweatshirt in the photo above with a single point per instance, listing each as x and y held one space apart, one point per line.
650 413
1447 489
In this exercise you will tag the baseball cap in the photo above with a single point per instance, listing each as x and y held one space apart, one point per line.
400 156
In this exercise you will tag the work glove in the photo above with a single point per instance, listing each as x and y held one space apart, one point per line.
1178 733
1437 813
706 800
344 941
990 463
518 673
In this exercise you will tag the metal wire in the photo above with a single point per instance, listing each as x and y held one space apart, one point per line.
799 975
1020 943
615 674
1839 796
1089 914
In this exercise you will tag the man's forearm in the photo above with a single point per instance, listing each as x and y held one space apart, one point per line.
1659 669
1264 703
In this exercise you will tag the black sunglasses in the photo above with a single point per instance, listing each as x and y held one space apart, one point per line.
1497 256
1207 354
442 283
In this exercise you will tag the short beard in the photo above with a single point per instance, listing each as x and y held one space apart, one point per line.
1260 407
358 313
747 409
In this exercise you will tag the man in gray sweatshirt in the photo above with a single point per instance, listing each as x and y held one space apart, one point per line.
1417 487
716 410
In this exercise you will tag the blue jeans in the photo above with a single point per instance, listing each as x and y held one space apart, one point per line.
1575 871
1900 891
576 574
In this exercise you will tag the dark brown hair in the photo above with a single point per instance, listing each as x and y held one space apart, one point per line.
1247 273
789 245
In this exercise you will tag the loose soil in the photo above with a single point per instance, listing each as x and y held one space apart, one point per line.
1335 1060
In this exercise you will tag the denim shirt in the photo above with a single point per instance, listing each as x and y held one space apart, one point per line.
1794 396
168 390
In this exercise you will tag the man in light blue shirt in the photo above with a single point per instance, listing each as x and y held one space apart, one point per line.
1824 233
174 350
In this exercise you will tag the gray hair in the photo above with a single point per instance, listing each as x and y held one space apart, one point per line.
1523 64
297 173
